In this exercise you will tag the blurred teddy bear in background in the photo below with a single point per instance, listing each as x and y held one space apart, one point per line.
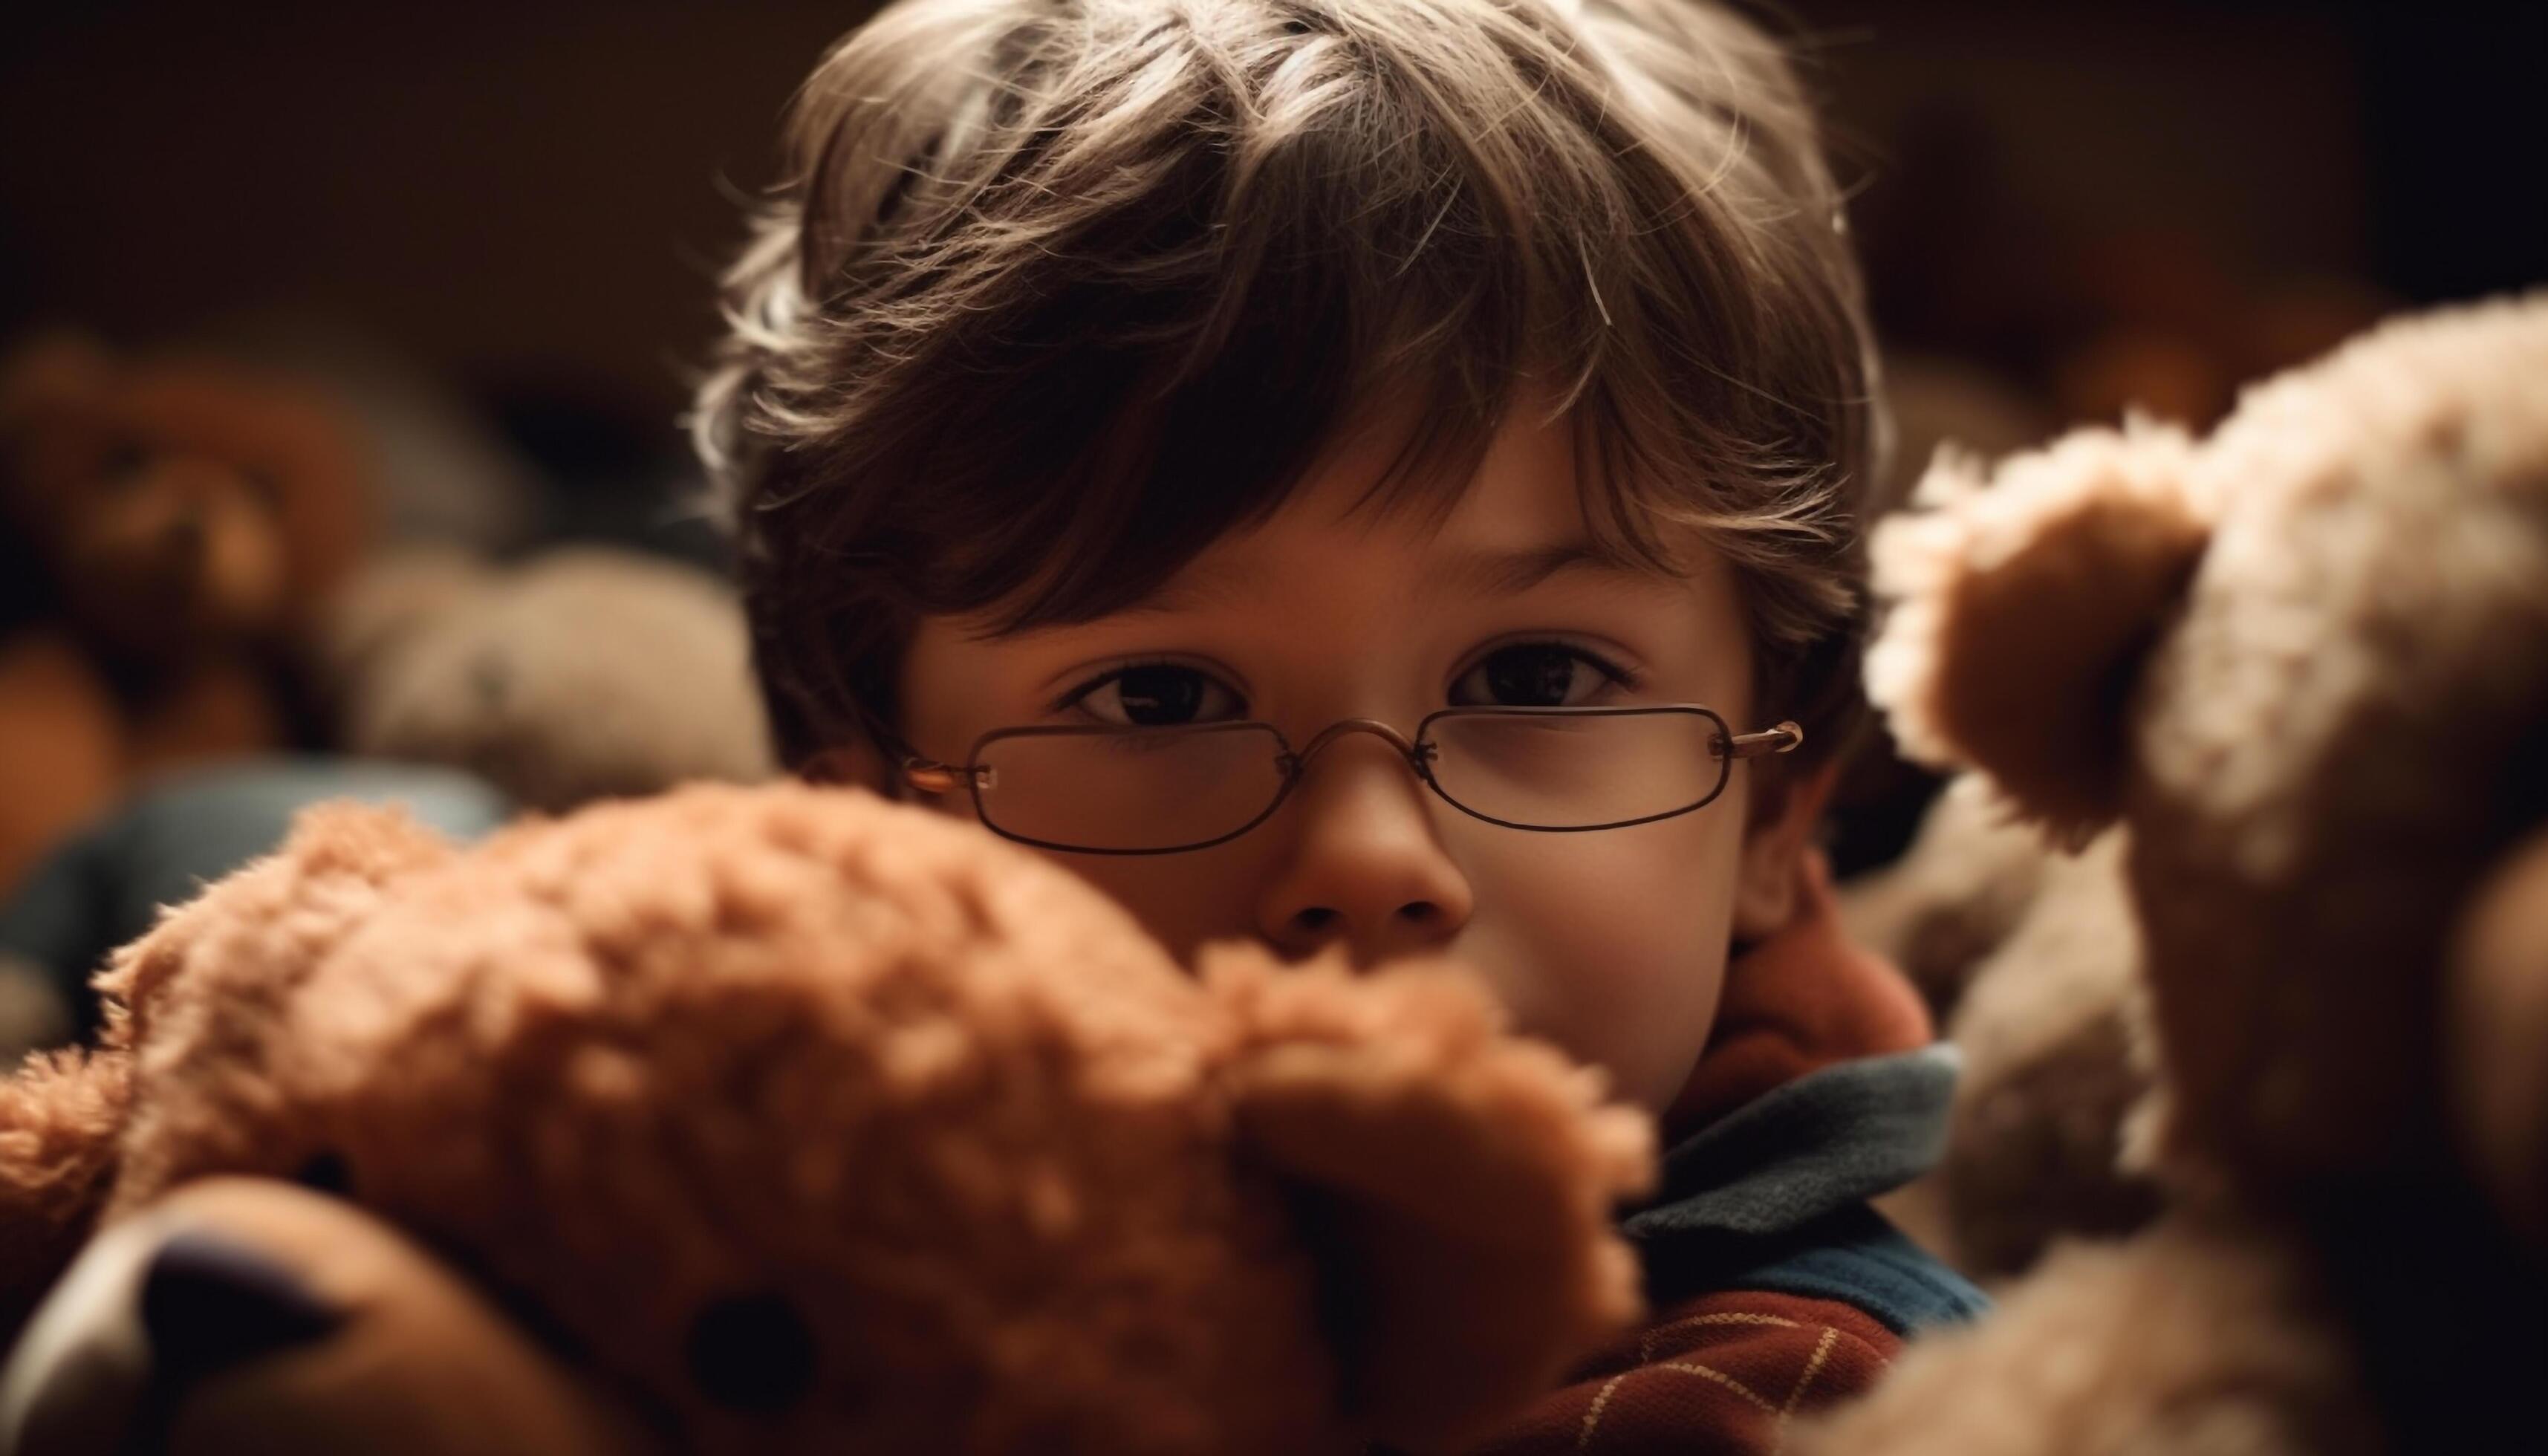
172 524
308 549
585 672
2031 960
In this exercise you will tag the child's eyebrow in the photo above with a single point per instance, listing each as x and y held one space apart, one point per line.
1510 572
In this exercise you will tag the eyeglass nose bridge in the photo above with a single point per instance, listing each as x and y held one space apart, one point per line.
1419 753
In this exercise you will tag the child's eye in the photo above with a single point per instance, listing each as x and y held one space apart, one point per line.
1155 695
1538 674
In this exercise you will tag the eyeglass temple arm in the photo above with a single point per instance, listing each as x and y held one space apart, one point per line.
932 777
927 774
1785 737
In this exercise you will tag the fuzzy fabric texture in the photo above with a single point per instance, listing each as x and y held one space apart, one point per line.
2310 679
1955 894
2032 959
2194 1339
1016 1180
59 1116
2059 1067
2023 599
585 673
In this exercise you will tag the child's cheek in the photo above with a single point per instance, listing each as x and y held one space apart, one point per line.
1613 944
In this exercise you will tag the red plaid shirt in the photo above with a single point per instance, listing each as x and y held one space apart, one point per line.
1723 1371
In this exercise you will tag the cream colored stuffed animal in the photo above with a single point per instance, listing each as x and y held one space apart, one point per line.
2032 962
2303 662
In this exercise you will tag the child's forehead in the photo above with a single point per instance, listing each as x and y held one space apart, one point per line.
1521 522
1522 516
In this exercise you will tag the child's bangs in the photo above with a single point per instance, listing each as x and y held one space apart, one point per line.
1186 273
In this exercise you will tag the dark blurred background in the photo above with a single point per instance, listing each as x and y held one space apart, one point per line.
530 199
2065 211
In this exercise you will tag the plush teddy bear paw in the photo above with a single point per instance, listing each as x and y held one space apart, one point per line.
250 1315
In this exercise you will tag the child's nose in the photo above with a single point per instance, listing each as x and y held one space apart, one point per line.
1363 867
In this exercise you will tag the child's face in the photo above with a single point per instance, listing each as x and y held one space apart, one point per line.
1610 942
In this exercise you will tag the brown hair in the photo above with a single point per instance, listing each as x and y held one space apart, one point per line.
1052 294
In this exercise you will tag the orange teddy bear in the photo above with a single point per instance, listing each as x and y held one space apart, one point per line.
780 1119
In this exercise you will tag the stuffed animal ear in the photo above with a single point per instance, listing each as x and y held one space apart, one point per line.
2024 606
1458 1184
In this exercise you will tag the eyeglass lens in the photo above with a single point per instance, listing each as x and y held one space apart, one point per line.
1130 790
1570 773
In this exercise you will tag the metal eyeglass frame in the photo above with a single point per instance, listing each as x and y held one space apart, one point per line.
933 776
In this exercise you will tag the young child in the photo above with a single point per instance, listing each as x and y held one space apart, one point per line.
1380 476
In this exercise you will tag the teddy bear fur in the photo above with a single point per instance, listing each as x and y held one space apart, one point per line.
2304 663
2031 961
924 1110
169 525
585 673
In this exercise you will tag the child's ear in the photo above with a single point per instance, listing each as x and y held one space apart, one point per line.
1454 1184
2024 606
1774 846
